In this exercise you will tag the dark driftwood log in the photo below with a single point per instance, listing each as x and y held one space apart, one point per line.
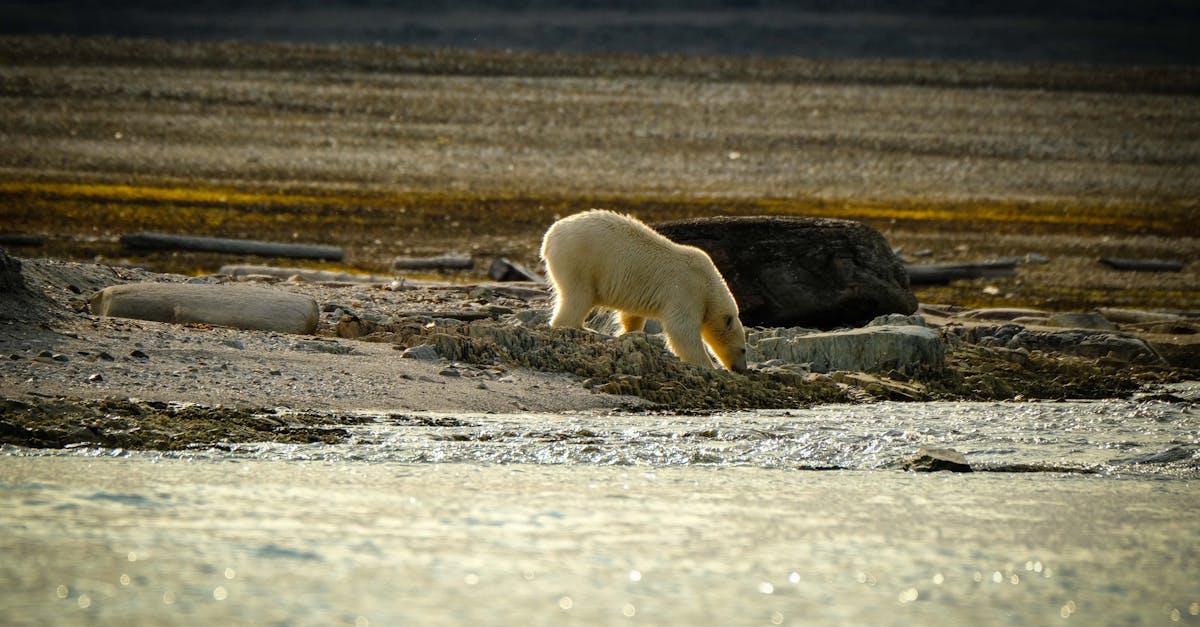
239 306
165 241
1142 265
505 270
443 262
20 239
939 273
792 271
304 273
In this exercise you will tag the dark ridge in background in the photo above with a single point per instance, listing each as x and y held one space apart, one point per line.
1153 32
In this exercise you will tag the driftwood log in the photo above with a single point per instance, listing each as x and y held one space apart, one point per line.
21 239
941 273
307 274
442 262
504 270
1142 265
166 241
238 306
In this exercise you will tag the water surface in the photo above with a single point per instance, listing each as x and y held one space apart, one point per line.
506 519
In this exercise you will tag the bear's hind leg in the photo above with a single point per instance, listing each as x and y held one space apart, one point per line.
684 340
631 323
570 312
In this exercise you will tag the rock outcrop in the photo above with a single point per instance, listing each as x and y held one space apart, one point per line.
793 271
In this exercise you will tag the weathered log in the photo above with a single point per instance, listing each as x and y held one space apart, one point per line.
442 262
239 306
793 271
941 273
166 241
304 273
1137 317
1142 265
21 239
504 270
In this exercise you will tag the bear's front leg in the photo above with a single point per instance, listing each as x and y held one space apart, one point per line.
683 338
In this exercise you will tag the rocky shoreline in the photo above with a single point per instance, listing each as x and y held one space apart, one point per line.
73 378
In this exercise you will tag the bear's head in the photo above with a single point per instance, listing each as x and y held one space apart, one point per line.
724 335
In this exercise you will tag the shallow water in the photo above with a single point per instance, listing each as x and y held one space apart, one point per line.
427 519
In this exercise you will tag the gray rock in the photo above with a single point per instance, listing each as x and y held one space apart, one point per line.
1091 344
909 349
422 352
935 459
793 271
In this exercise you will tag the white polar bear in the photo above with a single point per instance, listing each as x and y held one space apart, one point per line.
604 259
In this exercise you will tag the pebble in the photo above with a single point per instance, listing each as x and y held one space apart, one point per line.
137 354
96 378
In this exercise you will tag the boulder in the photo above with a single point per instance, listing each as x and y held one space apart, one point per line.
787 271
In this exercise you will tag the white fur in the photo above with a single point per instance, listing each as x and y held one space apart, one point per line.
604 259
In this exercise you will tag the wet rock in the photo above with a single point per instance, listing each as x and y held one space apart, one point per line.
935 459
907 348
882 387
794 271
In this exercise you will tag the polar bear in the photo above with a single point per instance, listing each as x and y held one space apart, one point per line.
603 259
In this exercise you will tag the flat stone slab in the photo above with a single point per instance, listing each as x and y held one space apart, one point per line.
907 348
238 306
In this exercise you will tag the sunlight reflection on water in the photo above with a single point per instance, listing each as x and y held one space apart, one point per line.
501 519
